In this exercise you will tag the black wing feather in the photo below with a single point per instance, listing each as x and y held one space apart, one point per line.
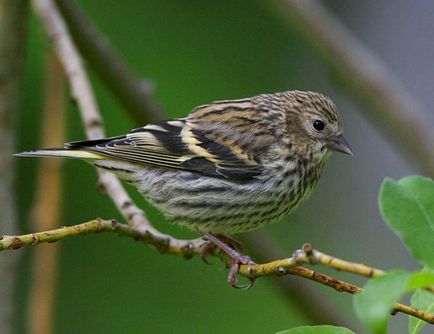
176 144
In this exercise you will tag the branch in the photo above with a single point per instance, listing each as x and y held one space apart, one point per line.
309 255
81 90
185 248
262 248
363 76
135 94
188 248
93 123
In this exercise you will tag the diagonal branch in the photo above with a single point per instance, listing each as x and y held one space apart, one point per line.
309 255
188 248
82 93
134 93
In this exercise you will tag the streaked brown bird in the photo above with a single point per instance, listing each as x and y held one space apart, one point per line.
230 166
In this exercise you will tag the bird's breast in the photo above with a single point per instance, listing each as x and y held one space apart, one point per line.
209 204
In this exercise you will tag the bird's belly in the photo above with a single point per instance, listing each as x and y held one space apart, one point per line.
218 206
226 214
207 204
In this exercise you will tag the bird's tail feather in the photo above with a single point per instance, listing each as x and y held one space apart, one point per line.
62 153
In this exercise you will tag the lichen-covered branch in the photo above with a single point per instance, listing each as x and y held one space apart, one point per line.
189 248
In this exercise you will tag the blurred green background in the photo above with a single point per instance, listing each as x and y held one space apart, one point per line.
195 52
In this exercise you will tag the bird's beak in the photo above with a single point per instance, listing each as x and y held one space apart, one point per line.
340 144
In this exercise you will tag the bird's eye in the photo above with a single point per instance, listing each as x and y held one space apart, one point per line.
318 125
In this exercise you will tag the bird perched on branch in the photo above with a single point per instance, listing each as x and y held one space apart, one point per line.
229 166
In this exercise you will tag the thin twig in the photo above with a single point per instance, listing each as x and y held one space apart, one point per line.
262 248
309 255
189 248
81 90
134 93
93 123
185 248
365 77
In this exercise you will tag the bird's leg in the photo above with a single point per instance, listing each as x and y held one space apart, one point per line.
209 247
231 242
237 259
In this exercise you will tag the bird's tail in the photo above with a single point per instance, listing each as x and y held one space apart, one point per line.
62 153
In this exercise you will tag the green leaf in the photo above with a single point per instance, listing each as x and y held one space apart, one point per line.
323 329
408 208
420 279
422 300
373 305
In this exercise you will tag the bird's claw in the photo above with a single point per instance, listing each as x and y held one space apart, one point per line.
232 279
237 258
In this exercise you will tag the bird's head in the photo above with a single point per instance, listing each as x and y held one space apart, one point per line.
314 122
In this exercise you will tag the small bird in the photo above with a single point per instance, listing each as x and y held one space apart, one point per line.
229 166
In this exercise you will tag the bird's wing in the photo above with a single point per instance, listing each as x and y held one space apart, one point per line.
228 146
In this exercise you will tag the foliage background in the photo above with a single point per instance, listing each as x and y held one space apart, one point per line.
195 52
